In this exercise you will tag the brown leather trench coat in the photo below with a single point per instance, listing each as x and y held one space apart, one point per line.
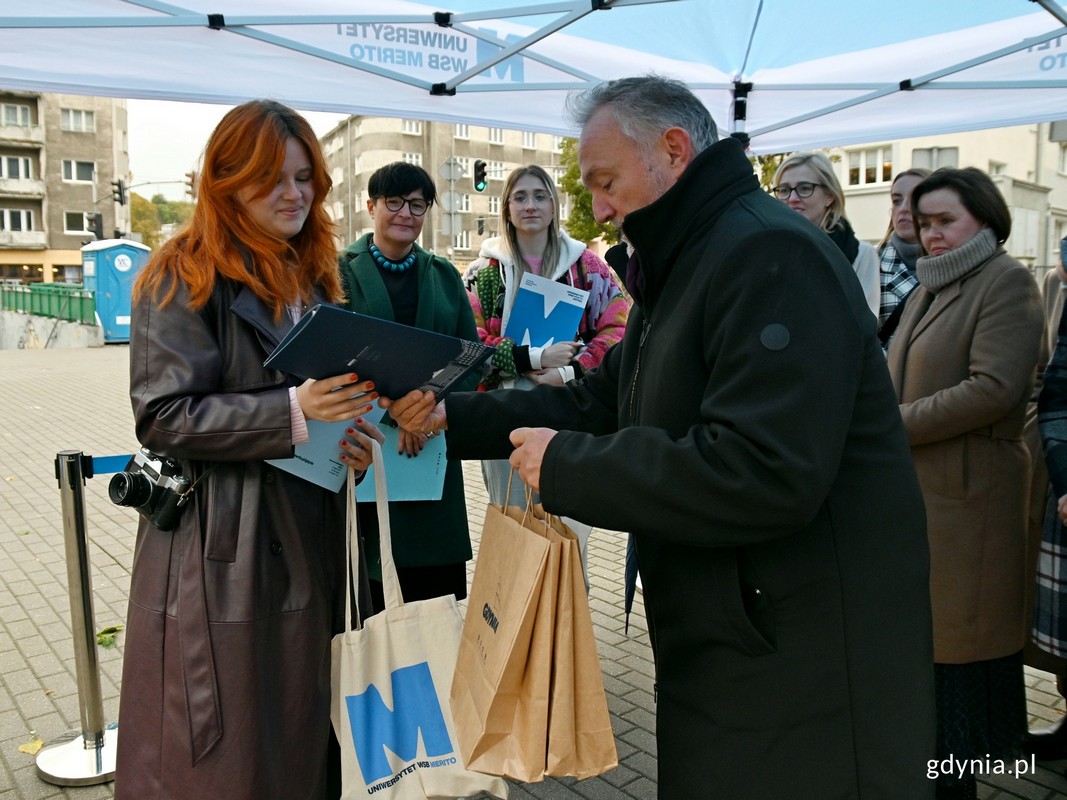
226 674
963 363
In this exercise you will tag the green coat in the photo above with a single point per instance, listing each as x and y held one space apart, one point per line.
432 532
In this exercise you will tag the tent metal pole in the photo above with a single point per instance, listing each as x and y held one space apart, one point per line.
1054 9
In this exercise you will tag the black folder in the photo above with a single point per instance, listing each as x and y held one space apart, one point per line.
329 341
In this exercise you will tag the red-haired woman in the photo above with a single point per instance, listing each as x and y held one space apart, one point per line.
226 678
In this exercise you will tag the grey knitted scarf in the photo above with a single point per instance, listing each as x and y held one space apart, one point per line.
937 272
908 251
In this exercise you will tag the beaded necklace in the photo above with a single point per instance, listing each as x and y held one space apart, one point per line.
392 266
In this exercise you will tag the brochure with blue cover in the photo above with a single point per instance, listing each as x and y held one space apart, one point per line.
329 341
420 477
545 312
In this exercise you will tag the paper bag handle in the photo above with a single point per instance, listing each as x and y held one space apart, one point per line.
390 581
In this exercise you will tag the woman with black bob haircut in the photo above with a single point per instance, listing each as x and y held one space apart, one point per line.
387 275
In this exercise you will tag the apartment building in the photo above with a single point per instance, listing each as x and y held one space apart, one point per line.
59 155
463 217
1028 163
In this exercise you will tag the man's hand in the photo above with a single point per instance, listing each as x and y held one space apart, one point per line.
530 445
1061 509
417 412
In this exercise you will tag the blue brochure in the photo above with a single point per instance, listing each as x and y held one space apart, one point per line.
421 477
545 312
318 459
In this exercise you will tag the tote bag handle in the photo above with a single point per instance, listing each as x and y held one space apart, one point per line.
390 582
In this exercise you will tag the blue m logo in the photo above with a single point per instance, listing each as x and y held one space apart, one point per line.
415 708
513 64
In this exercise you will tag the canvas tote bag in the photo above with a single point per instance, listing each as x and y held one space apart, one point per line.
390 684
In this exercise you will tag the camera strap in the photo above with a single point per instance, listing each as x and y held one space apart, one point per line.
184 496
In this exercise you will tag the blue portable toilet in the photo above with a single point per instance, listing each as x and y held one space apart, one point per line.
109 268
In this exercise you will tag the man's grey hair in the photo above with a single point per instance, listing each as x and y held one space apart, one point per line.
646 106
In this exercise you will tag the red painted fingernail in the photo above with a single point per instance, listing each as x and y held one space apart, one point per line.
344 457
344 443
355 377
359 421
370 384
350 430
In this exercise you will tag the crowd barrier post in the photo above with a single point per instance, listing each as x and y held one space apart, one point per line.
85 757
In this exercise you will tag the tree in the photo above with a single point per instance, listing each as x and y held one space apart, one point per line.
144 219
172 212
580 223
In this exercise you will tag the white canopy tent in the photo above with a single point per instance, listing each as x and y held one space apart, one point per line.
789 73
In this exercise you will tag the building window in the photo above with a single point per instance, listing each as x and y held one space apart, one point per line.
529 139
13 114
464 203
999 167
867 167
462 240
15 167
464 164
74 119
1063 158
78 171
413 126
412 158
564 207
495 171
496 136
462 131
557 144
77 222
16 219
935 157
494 205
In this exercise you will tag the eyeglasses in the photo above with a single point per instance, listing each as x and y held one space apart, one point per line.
537 198
416 205
803 189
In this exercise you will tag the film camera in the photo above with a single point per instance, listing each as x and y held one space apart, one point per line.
154 485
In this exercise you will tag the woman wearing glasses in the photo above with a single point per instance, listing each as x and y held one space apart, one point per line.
807 184
533 241
387 275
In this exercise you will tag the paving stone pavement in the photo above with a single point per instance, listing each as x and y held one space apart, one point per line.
57 400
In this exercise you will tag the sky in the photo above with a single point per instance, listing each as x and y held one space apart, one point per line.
166 140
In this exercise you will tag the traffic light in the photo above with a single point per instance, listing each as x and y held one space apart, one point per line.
96 225
118 191
480 181
191 183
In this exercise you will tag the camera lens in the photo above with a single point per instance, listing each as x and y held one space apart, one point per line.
129 489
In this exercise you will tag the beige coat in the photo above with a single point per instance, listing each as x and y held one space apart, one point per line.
963 363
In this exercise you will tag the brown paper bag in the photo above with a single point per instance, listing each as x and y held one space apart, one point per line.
581 742
500 690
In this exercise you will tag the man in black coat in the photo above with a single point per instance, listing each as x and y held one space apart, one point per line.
746 432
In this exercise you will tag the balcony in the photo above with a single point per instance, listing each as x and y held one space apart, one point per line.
26 134
23 240
21 187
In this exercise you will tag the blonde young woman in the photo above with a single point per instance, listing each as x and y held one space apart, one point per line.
807 184
533 241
